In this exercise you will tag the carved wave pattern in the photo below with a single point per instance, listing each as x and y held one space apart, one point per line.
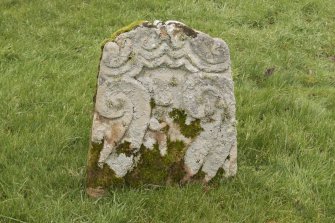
164 46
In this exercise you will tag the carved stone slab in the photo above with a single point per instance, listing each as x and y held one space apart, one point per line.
164 109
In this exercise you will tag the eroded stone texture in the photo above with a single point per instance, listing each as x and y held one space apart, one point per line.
164 110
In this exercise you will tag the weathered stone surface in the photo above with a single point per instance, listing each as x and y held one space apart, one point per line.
164 109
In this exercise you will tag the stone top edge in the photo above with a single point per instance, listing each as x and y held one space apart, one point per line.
155 24
171 43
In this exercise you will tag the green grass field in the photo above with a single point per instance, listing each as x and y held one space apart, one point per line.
283 61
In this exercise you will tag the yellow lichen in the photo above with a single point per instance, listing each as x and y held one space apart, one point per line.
122 30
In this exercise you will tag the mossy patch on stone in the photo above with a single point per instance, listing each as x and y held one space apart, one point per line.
175 160
187 30
100 177
124 148
152 103
149 169
124 29
153 168
175 151
192 130
199 176
165 129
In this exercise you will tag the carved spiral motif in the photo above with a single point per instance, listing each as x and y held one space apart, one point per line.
202 96
114 55
149 39
213 51
111 102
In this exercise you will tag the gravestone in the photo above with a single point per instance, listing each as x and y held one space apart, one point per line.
164 109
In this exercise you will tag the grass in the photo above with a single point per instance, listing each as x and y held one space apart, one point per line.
282 55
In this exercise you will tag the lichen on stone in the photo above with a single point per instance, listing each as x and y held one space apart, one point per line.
173 82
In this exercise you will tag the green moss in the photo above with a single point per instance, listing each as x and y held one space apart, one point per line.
173 82
219 177
192 130
96 176
199 176
175 151
93 156
106 178
176 172
150 168
165 129
152 103
124 148
124 29
175 158
156 169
